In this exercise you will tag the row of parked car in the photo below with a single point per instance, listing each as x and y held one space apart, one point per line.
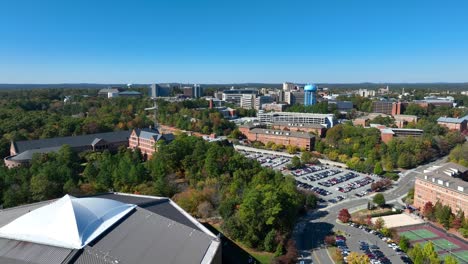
341 244
308 169
391 244
334 181
373 252
355 185
309 187
323 174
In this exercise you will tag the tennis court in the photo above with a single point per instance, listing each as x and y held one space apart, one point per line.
444 244
462 256
418 234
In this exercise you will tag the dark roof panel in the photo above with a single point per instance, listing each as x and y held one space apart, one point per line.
146 237
161 206
73 141
13 251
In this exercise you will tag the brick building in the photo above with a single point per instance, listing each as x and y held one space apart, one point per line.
387 107
387 134
145 139
402 120
316 129
445 184
279 137
457 124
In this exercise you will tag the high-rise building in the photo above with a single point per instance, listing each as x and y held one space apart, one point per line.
261 100
153 90
310 91
294 97
287 86
247 101
197 91
234 95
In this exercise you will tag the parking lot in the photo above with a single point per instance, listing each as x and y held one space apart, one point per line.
332 184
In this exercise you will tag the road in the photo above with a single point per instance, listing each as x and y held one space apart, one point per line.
311 230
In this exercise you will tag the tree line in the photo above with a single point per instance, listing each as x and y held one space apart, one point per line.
362 149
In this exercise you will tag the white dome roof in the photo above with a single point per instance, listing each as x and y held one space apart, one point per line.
68 222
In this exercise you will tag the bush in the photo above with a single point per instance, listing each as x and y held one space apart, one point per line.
270 243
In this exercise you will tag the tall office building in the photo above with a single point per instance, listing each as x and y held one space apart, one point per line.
153 90
287 86
197 91
310 91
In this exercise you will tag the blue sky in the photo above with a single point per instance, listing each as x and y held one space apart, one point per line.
207 41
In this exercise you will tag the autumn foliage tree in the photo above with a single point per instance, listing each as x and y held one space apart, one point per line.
344 215
428 211
330 240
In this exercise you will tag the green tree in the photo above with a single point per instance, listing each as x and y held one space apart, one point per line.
379 199
378 169
449 259
270 241
296 162
306 157
404 243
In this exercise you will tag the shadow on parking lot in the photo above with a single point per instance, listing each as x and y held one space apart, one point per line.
314 234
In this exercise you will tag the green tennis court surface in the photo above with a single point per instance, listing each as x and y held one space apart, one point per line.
462 256
444 244
424 233
418 234
410 235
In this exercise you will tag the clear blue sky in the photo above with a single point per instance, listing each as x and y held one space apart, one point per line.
208 41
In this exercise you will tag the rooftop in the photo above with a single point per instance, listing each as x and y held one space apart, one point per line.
453 119
282 133
447 175
142 229
72 141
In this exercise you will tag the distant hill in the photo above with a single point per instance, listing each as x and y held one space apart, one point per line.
432 86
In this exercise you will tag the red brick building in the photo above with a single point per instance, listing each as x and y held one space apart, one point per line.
279 137
387 107
315 129
445 184
456 124
388 134
146 139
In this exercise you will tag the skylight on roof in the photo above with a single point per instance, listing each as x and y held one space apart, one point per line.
68 222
